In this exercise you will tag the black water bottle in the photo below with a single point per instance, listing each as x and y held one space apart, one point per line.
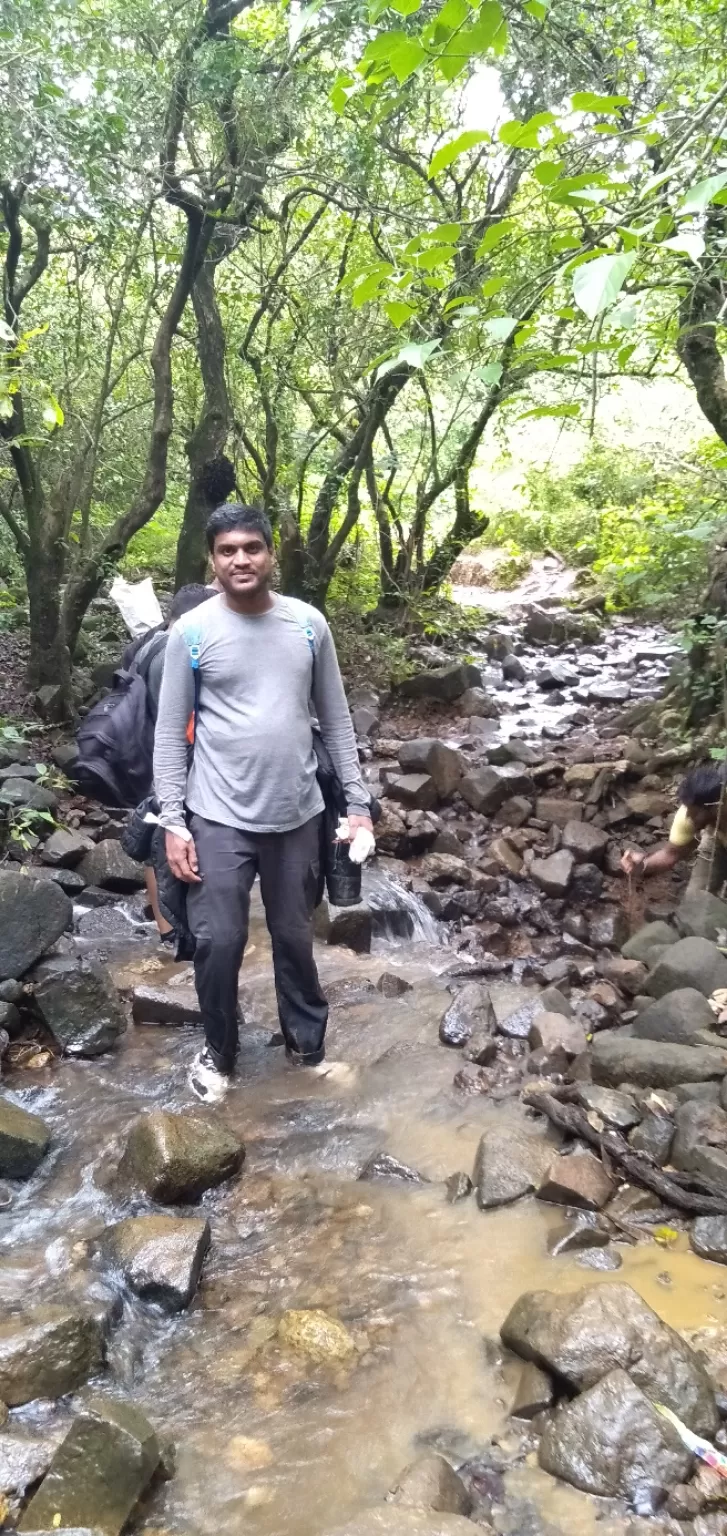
343 877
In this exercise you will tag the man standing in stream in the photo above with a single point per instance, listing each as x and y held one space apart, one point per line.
250 802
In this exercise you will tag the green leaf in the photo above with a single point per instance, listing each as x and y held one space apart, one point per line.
691 245
435 256
597 285
399 312
415 354
377 8
519 135
369 286
493 236
590 101
52 413
566 243
342 88
501 327
493 285
453 13
491 373
550 410
701 194
452 151
489 31
300 23
380 49
405 7
547 172
444 234
407 59
536 8
625 353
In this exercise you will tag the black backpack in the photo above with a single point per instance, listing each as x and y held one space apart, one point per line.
116 739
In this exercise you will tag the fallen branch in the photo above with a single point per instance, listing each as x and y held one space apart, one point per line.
635 1165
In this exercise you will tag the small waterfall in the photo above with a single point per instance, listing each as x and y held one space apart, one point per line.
398 913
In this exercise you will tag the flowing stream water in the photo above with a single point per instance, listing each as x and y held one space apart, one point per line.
267 1442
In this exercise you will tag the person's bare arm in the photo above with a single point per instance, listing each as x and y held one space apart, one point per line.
636 863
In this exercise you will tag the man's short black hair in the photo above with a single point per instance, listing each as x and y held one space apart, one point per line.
186 599
234 515
703 786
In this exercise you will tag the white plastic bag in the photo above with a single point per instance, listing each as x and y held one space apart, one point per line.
138 604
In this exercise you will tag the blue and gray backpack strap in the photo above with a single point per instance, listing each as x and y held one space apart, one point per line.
193 638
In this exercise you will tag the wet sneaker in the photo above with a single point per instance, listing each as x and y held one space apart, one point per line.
206 1081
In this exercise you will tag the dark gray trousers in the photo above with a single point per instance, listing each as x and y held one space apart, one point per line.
218 913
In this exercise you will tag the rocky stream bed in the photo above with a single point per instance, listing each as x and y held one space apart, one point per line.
440 1290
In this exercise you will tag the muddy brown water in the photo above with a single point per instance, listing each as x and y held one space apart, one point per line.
266 1442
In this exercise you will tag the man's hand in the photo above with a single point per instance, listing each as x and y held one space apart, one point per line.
354 822
632 862
182 859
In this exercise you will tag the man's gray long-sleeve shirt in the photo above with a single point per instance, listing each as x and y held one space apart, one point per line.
254 765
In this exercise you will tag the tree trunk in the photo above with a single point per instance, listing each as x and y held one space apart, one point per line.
467 526
210 434
699 352
50 657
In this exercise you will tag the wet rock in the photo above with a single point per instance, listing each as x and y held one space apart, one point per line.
599 1258
609 929
470 1012
25 1457
616 1059
33 915
556 675
427 756
582 775
390 984
618 1111
383 1166
506 856
678 1016
554 1001
478 704
553 875
80 1005
416 790
513 670
443 683
585 1231
691 963
365 720
393 1520
108 866
46 1352
606 692
654 1136
178 1157
708 1238
22 794
165 1005
65 848
313 1333
698 1126
98 1473
481 1048
431 1483
160 1257
629 975
443 869
350 926
555 626
511 1159
514 812
69 880
587 883
649 943
24 1141
584 1335
701 916
458 1186
533 1394
517 1025
485 789
579 1180
553 1031
612 1442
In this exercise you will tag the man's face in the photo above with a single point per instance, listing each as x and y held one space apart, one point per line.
703 816
242 562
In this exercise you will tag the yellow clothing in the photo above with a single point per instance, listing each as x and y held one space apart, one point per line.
683 831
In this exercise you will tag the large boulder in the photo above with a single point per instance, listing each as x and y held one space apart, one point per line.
46 1352
33 915
24 1141
165 1005
178 1157
443 683
701 916
649 942
688 963
698 1126
477 704
486 789
678 1017
160 1257
416 791
612 1442
579 1181
586 842
350 926
554 626
470 1012
583 1335
708 1238
443 764
553 874
65 848
616 1059
80 1005
98 1473
25 1456
108 866
431 1483
511 1160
